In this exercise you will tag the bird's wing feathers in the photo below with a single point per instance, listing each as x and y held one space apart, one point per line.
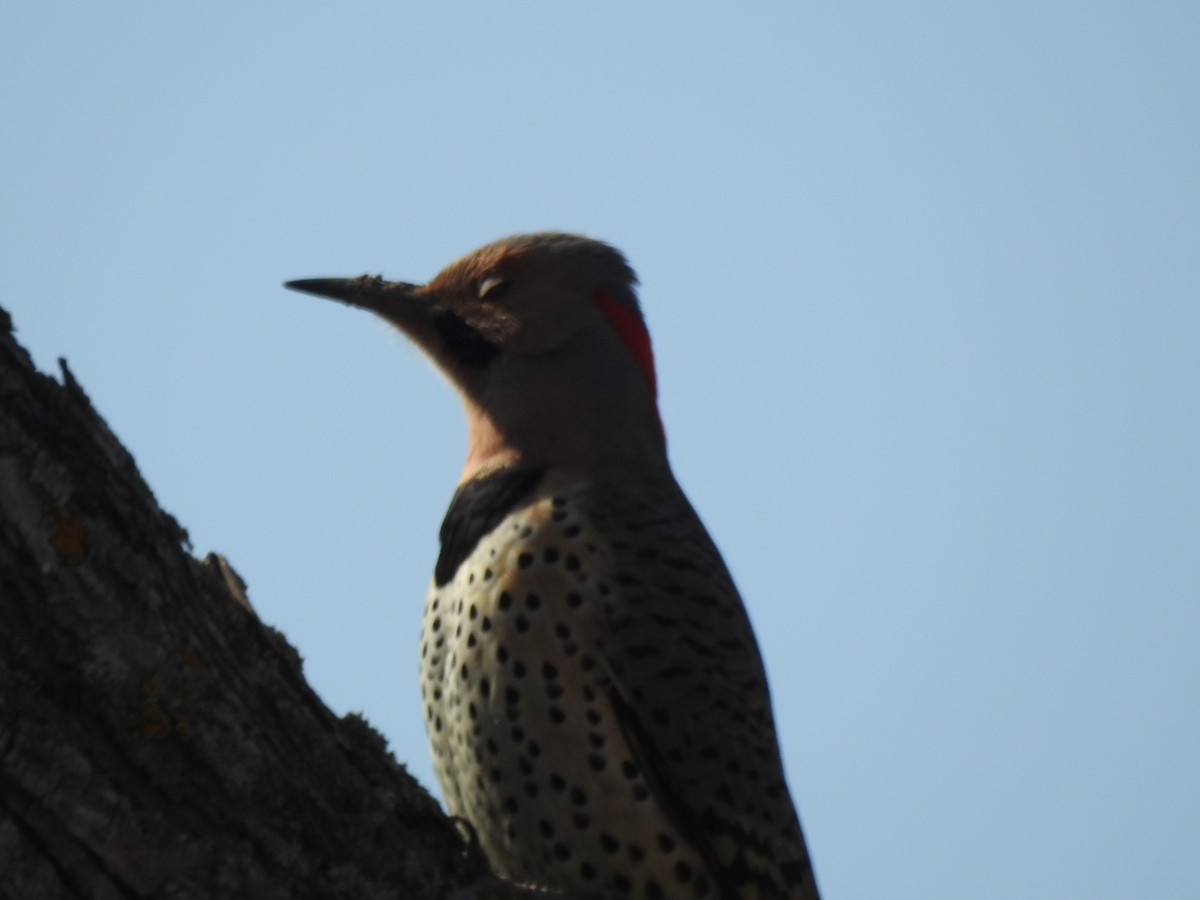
690 693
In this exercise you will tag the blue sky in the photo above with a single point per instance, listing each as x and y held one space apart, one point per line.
924 282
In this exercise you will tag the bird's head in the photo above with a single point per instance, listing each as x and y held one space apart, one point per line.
543 337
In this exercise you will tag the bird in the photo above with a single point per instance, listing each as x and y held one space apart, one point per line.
595 699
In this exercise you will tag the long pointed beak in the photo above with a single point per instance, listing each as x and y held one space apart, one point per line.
366 292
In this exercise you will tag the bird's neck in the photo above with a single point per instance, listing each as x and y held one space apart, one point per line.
555 411
488 449
583 448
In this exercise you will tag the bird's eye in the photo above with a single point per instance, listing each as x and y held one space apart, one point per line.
494 287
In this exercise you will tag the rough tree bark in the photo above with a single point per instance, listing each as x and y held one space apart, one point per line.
156 738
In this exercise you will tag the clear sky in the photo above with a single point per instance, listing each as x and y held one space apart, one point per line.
924 281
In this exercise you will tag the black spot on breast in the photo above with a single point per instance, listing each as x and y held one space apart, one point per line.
477 508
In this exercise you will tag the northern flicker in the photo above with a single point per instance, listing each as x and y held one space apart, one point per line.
594 696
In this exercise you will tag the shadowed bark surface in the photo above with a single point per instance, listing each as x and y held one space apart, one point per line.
156 738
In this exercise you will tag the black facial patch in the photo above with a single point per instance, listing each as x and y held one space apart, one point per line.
477 508
464 343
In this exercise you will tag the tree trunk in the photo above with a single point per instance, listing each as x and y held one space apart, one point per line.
156 739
